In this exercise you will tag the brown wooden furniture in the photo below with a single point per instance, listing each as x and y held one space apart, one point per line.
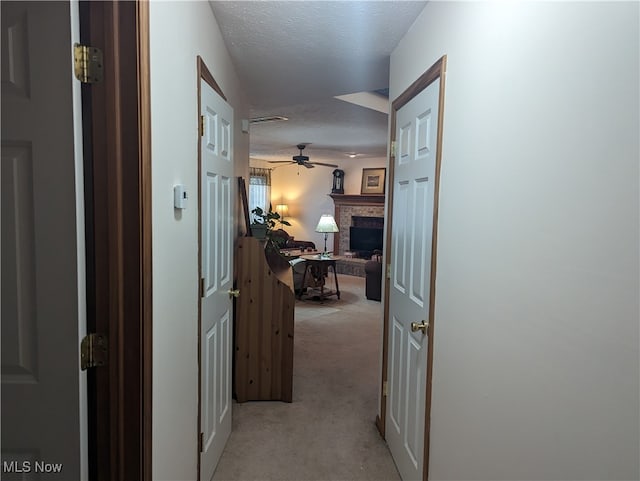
263 324
317 268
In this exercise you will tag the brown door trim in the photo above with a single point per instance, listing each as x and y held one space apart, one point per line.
437 70
116 117
205 74
146 288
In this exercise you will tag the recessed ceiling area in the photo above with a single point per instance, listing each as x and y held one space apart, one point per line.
295 57
370 100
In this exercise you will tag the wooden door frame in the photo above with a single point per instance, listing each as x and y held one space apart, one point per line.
203 74
117 161
437 70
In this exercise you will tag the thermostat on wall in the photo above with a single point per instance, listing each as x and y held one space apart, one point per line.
180 196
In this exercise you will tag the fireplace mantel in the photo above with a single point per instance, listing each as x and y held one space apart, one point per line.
354 199
346 205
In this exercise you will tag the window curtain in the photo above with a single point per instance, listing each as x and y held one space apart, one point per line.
259 189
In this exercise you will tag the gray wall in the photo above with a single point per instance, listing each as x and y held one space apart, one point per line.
536 338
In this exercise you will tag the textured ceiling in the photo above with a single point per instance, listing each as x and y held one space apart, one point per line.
294 57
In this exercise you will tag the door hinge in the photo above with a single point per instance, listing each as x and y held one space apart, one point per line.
202 287
393 148
87 63
93 351
385 388
201 442
201 125
388 271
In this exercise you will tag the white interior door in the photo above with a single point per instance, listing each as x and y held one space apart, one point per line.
42 232
411 249
216 251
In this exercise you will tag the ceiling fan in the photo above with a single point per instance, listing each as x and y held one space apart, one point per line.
301 160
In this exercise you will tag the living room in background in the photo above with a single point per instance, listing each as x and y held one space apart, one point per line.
259 188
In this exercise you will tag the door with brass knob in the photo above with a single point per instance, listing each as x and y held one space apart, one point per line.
217 209
420 326
410 327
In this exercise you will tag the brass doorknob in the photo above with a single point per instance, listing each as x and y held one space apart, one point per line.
234 292
420 326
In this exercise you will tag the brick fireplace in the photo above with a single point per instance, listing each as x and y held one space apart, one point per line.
368 211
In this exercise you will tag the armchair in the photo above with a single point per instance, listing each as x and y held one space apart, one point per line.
373 279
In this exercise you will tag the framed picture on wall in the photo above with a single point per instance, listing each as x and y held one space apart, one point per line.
373 181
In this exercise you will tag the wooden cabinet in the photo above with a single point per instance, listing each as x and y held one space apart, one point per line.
263 368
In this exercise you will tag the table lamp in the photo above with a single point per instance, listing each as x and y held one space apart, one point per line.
325 225
283 210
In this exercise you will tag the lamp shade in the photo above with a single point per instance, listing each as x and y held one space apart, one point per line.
283 210
327 224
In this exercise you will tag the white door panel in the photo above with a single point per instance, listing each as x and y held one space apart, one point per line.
42 310
217 273
411 247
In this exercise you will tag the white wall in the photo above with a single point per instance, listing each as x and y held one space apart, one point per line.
536 339
307 194
179 32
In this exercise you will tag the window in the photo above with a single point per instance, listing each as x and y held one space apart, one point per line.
259 189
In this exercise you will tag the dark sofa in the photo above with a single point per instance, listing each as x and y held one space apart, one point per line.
288 242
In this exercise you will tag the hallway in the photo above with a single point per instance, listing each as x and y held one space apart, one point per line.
328 432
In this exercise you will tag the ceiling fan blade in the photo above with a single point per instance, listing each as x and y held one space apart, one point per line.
308 165
280 162
326 165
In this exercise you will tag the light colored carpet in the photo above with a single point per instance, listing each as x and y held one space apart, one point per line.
309 312
328 432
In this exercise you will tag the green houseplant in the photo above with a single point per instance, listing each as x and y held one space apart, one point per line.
264 223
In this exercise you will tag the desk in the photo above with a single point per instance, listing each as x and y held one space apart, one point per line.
318 268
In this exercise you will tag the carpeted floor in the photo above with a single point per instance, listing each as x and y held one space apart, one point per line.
328 432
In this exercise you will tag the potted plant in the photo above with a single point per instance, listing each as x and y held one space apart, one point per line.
264 224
